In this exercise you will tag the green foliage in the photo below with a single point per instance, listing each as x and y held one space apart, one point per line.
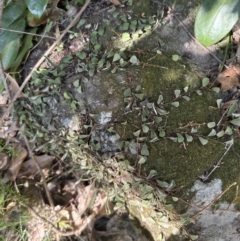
215 19
36 7
13 18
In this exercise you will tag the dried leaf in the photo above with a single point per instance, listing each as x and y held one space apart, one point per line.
229 78
38 232
85 197
115 2
29 167
4 161
14 86
15 163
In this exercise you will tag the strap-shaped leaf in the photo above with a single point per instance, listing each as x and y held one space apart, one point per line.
215 19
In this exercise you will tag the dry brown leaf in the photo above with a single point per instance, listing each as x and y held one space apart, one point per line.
14 87
38 233
3 100
229 78
115 2
15 162
29 167
85 197
4 161
10 206
103 205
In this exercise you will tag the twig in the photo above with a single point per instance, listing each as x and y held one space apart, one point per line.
27 33
236 196
180 22
43 58
219 122
50 200
215 199
216 165
78 231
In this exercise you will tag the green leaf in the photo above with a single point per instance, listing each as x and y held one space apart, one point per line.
125 26
186 98
193 237
199 92
122 62
175 57
142 160
212 133
230 142
175 199
7 36
114 70
211 124
180 137
162 133
144 151
12 12
216 89
101 31
81 22
26 46
160 99
232 109
177 93
36 7
202 140
137 133
220 134
189 138
186 89
76 83
215 19
139 96
236 122
9 53
219 101
158 119
82 55
145 128
228 130
205 82
138 87
127 92
151 174
116 57
174 139
134 60
126 37
97 47
175 103
67 95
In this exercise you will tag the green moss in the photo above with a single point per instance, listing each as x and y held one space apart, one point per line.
181 162
142 7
